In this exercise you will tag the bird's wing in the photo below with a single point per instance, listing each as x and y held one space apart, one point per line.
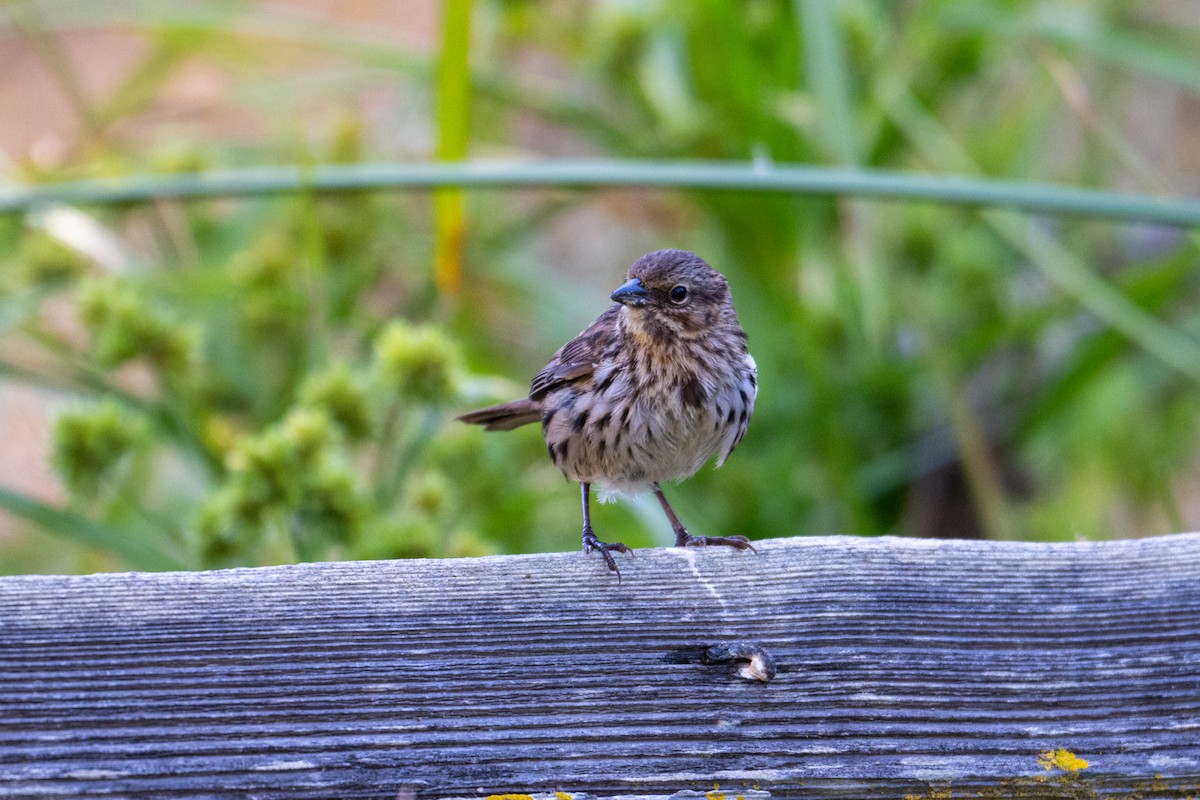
577 359
747 394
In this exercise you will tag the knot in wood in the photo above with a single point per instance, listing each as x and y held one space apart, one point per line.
759 664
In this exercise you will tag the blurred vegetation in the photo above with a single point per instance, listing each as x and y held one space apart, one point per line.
271 379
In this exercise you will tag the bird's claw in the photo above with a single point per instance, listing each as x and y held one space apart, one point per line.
686 539
591 542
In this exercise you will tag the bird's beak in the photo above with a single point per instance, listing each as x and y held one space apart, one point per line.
631 293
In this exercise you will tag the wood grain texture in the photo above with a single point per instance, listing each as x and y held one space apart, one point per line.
904 667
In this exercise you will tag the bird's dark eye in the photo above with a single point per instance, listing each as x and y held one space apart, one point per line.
679 294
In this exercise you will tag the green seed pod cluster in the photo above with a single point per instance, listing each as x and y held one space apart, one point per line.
91 446
125 326
418 364
295 472
339 392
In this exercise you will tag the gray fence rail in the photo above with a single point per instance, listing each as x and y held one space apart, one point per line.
934 669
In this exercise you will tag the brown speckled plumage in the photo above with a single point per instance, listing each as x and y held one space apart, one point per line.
653 388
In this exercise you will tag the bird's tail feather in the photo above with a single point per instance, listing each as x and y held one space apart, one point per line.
505 416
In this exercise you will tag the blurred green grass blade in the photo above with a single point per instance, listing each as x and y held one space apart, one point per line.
1140 55
579 174
141 87
1080 26
829 76
1067 78
1168 345
451 117
1171 347
1153 290
137 554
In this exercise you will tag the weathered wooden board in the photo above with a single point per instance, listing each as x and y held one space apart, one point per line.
931 668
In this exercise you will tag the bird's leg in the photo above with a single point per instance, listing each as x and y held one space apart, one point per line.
590 542
685 539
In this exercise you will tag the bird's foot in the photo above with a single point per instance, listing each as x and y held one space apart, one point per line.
591 542
685 539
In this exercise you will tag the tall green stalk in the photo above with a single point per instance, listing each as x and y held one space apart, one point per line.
581 174
453 96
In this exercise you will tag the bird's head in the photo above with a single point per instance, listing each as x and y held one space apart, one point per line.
674 293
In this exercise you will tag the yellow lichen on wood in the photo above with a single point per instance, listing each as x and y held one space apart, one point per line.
562 796
1061 759
512 796
932 794
715 794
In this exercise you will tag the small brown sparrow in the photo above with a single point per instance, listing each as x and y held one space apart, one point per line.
655 386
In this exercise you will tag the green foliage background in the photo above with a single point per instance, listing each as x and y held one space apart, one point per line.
271 378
